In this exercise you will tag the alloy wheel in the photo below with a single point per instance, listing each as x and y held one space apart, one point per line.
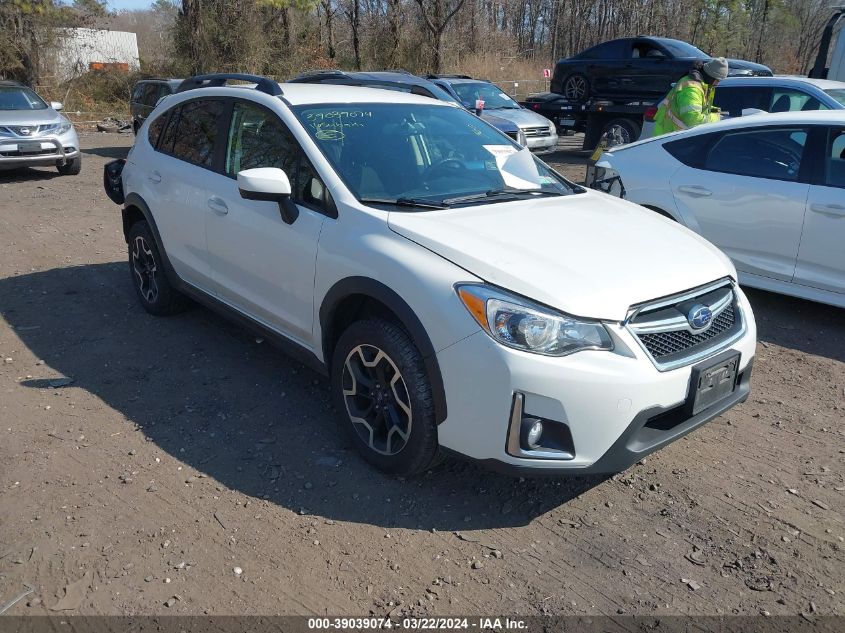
145 268
377 399
575 88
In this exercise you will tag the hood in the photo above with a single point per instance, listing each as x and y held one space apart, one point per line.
587 254
499 123
522 117
742 67
29 117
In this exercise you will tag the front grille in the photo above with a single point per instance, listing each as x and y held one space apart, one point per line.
666 343
536 132
32 130
665 333
513 135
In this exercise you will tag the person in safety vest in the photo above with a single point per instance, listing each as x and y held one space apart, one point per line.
690 101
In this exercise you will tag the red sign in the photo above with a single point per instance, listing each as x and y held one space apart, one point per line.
479 104
547 73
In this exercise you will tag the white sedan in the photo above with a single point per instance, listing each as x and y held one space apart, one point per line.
769 190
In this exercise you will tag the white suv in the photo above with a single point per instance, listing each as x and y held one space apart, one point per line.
460 293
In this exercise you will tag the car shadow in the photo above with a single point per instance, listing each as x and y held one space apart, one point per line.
231 407
28 174
108 151
806 326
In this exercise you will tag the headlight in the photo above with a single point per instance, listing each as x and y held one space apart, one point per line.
519 323
56 128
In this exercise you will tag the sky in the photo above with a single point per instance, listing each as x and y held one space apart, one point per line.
117 5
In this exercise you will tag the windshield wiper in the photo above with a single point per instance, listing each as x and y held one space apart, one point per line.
512 192
406 202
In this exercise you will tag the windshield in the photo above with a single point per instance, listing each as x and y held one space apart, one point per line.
18 98
838 94
682 49
422 155
492 95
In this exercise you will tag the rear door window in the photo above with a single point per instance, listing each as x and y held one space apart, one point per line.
155 129
617 49
791 100
150 95
834 168
760 153
734 99
196 133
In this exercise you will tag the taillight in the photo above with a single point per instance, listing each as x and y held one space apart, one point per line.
650 113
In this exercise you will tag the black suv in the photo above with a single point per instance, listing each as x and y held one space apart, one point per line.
145 95
402 81
635 67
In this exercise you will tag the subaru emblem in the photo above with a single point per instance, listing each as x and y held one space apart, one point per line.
699 317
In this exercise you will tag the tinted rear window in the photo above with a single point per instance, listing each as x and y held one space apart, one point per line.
196 134
609 50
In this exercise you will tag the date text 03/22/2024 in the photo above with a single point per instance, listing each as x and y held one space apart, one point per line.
411 624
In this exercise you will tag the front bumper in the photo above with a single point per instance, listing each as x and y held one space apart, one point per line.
54 150
542 144
617 406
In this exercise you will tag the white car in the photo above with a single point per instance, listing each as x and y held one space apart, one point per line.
768 190
741 96
460 294
34 134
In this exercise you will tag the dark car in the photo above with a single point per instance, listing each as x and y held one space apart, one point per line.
638 67
145 95
403 82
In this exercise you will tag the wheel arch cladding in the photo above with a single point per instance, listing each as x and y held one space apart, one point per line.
135 210
354 297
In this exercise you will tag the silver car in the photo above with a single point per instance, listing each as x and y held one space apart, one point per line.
34 134
540 133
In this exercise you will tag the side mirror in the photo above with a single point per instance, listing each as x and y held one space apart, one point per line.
56 105
270 184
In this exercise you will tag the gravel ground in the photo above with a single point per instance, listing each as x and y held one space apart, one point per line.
179 465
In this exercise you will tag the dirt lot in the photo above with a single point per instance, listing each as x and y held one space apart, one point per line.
180 449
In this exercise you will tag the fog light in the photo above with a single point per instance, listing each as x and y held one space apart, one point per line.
532 432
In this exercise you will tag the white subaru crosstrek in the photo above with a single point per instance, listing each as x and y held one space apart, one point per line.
460 294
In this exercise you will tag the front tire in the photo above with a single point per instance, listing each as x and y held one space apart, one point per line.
151 285
382 391
71 167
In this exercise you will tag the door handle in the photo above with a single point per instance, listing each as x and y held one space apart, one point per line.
155 177
830 210
695 191
217 205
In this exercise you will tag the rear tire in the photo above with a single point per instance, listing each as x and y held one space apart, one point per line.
576 87
71 167
382 392
146 269
623 130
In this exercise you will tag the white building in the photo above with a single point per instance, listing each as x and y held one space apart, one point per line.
81 50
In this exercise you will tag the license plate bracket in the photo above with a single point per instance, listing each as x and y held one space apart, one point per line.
712 381
30 147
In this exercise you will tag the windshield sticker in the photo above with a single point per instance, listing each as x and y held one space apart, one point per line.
517 167
338 115
330 134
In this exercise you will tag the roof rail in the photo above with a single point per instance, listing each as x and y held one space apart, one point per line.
215 80
447 76
308 75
